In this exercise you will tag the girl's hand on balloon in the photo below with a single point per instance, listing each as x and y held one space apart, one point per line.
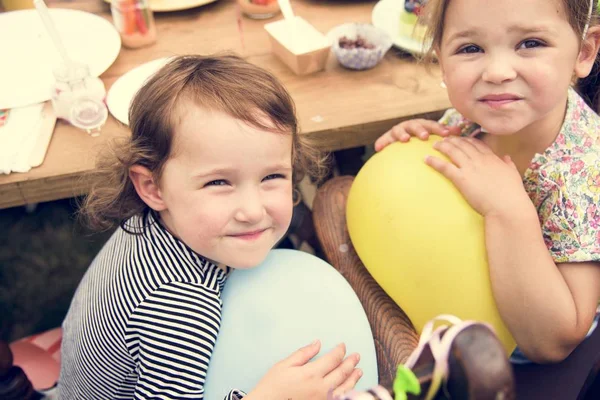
491 185
298 378
420 128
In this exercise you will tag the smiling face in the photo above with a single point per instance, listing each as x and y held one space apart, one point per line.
508 64
227 187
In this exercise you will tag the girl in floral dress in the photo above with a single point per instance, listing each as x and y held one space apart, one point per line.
524 151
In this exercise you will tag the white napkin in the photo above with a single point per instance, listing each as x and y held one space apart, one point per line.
18 137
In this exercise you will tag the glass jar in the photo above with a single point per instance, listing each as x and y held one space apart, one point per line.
13 5
78 98
134 21
259 9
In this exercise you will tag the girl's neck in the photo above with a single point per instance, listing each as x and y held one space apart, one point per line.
162 217
534 139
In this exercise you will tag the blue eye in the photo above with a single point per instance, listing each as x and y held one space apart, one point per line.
469 49
217 182
273 176
530 44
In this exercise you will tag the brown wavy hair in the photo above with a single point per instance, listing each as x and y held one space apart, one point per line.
577 12
222 82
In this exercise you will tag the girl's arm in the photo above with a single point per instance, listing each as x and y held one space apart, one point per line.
171 335
548 310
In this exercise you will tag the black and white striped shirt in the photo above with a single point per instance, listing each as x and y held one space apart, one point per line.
144 320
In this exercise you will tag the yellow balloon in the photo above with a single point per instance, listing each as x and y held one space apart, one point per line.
420 240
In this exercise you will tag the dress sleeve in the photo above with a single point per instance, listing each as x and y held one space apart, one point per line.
171 336
453 118
570 215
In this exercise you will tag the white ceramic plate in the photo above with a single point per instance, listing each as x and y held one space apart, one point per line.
124 89
29 56
386 15
175 5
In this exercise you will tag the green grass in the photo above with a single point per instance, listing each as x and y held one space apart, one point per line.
43 255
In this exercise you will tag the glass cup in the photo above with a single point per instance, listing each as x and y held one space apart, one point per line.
135 22
259 9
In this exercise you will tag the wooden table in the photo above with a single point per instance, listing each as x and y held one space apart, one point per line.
340 108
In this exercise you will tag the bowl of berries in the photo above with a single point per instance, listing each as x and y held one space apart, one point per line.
259 9
359 46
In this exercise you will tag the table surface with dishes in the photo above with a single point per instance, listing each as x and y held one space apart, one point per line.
340 107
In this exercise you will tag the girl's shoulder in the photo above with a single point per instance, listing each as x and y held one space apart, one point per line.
566 194
564 185
581 127
576 150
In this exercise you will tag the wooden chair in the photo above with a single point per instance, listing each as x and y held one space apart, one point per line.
473 373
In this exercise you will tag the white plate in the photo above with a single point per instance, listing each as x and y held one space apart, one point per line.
175 5
124 89
386 15
29 56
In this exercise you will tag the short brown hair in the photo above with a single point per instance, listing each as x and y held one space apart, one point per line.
224 83
577 12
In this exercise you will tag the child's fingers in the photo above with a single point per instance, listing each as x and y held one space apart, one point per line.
349 383
445 168
388 138
343 371
478 145
329 361
456 149
399 133
383 141
303 355
418 128
433 127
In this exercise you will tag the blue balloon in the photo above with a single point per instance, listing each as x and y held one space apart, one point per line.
272 310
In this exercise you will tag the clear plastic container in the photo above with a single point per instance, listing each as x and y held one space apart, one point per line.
135 22
78 97
88 114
